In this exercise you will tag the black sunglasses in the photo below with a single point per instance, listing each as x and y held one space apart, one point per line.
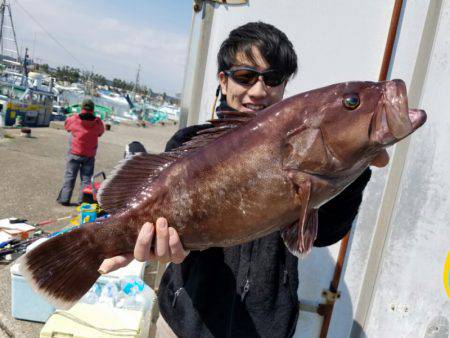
248 76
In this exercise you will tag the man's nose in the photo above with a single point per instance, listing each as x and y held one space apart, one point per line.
259 89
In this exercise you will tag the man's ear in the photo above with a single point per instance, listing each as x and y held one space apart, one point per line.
223 83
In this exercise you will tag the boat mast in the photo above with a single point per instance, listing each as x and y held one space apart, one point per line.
9 50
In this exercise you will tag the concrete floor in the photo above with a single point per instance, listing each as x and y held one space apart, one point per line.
31 171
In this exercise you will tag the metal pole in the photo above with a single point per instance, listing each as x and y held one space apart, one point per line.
393 30
382 226
2 10
195 68
14 32
327 309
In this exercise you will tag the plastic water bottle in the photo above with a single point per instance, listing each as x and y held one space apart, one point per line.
131 293
92 296
109 294
132 285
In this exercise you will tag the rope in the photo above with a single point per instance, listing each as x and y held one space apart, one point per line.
49 34
213 108
115 332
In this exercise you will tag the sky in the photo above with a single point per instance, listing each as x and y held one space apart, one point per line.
110 37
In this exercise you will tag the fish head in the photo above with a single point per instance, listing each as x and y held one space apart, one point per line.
346 125
334 134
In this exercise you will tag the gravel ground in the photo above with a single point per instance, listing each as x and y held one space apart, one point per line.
31 172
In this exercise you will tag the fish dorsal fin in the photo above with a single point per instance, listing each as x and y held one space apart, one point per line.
233 113
230 117
137 172
230 121
129 177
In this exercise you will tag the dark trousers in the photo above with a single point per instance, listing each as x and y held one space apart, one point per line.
74 164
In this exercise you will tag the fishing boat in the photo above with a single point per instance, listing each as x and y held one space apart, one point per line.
28 98
30 101
172 112
111 96
103 112
73 88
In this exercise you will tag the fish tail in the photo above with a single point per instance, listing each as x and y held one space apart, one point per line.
63 268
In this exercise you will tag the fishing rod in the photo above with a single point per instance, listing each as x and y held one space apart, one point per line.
53 220
15 245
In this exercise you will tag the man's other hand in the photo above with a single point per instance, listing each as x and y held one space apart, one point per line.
167 247
381 160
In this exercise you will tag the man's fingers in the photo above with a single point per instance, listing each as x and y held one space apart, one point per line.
381 160
114 263
177 252
162 240
144 242
166 247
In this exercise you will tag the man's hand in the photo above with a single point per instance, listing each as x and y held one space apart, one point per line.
167 247
381 160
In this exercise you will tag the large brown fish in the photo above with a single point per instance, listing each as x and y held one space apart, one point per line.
250 175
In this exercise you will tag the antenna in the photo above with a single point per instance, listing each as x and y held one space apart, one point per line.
9 50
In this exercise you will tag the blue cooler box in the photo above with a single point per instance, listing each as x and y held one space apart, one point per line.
25 303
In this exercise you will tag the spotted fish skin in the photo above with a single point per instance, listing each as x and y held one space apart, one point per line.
241 181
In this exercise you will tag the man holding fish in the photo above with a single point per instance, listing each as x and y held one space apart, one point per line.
246 194
247 290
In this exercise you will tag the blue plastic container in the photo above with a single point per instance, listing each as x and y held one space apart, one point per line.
88 213
25 303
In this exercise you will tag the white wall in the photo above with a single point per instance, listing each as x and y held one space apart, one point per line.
335 40
345 40
409 295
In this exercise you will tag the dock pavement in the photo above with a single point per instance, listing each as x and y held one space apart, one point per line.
31 173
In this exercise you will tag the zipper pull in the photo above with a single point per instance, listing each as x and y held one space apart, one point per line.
285 276
177 293
245 290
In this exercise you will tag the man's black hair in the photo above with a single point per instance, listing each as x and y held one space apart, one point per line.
272 43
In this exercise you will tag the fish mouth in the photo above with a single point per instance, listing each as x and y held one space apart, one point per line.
392 120
418 117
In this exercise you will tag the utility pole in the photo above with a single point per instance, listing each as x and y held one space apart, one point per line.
25 62
136 83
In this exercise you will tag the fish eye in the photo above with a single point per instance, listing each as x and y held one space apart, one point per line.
351 101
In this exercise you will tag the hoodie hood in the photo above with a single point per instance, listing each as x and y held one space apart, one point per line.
86 115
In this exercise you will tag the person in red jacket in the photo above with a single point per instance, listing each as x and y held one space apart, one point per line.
85 129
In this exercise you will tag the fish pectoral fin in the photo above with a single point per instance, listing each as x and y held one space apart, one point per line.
300 236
